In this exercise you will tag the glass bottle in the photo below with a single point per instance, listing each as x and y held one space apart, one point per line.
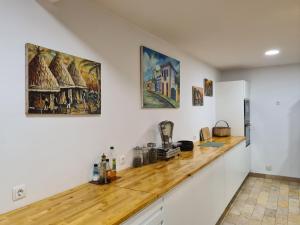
112 151
96 172
114 169
102 170
108 172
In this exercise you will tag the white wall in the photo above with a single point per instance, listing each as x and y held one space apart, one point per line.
51 154
275 128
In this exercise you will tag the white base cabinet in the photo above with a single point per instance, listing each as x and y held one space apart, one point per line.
152 215
202 198
236 169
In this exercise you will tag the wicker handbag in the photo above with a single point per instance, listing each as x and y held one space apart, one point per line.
219 131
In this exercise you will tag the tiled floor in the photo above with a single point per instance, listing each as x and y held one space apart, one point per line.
265 202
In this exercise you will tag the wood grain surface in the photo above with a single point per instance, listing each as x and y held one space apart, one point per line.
112 204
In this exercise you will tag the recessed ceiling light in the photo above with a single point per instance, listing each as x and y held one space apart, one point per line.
272 52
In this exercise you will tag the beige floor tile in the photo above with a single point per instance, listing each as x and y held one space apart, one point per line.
284 191
271 205
225 223
267 220
251 201
254 222
235 211
283 197
283 203
282 211
291 223
294 218
265 202
247 210
270 212
230 218
280 219
258 212
294 210
293 203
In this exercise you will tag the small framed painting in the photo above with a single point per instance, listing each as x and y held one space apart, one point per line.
160 80
208 87
197 96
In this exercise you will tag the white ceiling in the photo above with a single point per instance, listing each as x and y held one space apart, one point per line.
226 34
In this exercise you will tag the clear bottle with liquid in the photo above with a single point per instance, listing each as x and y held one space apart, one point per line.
108 172
114 169
96 176
102 170
113 173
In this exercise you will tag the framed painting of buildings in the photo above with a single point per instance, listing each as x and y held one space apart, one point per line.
160 80
208 87
59 83
197 93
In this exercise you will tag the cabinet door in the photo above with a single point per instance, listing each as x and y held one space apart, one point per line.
230 97
232 172
199 200
182 204
235 170
215 182
248 159
152 215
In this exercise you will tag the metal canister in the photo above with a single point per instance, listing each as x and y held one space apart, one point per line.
137 157
145 155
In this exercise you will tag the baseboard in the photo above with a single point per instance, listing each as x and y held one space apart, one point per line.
267 176
231 201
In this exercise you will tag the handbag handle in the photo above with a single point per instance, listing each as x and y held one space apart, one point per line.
222 121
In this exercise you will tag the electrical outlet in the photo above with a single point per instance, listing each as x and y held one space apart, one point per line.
122 159
268 168
194 138
19 192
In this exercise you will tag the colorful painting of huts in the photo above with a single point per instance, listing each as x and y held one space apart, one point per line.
160 76
59 83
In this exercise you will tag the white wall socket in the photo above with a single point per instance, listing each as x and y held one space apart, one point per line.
19 192
268 168
194 138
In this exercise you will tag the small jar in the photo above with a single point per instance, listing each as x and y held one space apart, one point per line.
137 157
152 152
145 155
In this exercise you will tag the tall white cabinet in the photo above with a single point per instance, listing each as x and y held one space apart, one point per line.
230 96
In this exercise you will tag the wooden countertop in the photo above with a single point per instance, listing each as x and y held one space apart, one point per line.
112 204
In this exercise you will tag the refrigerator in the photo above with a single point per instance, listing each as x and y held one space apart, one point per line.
247 123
